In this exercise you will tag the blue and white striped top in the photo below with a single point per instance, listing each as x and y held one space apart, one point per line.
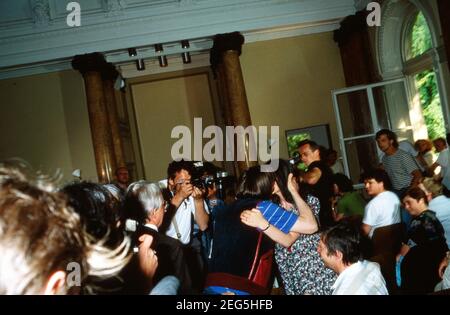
277 216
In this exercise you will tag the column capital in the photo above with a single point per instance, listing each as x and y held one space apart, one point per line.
89 62
225 42
349 26
109 72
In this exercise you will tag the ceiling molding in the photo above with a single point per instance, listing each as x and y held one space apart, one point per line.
112 26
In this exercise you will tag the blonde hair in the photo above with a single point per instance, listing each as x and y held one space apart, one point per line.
432 186
40 234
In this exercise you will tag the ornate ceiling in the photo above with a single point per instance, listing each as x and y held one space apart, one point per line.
35 36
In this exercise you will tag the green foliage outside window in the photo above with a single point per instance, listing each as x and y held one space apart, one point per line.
420 42
420 36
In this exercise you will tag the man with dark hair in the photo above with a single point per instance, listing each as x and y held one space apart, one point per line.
384 208
401 166
122 180
319 179
187 200
340 250
187 203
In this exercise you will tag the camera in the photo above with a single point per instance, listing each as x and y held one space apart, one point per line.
199 176
293 162
205 175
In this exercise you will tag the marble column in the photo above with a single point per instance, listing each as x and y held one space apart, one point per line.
225 62
91 67
109 75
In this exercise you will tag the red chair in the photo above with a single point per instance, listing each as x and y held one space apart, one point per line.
258 281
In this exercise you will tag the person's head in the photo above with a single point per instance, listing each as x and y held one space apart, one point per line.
144 203
114 191
122 175
432 188
42 239
211 171
415 201
330 157
97 208
376 181
423 145
256 184
343 183
309 151
179 173
340 246
386 140
281 178
440 144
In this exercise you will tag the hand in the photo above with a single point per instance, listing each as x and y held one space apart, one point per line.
442 266
254 218
292 184
148 261
184 190
197 194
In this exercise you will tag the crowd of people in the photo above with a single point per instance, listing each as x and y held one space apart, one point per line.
311 232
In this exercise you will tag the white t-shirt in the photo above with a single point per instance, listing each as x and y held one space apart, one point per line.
382 210
183 217
361 278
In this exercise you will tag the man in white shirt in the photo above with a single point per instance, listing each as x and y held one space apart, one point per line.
340 250
187 200
384 208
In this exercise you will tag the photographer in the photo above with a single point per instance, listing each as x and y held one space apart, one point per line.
187 202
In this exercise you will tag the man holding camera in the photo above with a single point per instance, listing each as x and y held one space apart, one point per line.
187 203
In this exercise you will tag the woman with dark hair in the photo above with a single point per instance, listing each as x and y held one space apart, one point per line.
98 210
301 268
424 247
235 244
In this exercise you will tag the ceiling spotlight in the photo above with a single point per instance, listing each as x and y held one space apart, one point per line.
140 65
159 48
132 52
162 61
185 44
185 56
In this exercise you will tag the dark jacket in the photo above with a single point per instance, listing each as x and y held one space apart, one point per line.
235 243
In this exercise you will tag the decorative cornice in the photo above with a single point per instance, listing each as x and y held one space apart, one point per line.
40 12
143 23
114 7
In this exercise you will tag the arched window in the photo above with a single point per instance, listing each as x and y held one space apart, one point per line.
418 67
413 94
